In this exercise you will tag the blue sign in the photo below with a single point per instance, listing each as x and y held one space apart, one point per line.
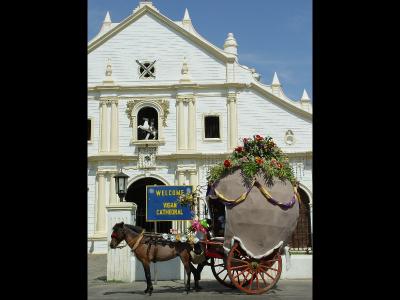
162 203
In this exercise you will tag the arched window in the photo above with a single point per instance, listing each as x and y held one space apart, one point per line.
301 238
147 119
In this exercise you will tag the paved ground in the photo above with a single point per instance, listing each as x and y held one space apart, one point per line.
99 289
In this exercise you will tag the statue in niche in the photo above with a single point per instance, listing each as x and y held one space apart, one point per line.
149 129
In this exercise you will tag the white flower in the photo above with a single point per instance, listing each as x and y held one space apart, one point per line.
165 236
183 238
196 240
172 238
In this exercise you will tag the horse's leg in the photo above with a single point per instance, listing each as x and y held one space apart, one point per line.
186 264
146 267
198 275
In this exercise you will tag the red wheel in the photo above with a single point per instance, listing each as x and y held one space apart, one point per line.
218 268
250 275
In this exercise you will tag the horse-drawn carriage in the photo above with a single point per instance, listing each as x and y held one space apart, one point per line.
254 191
257 228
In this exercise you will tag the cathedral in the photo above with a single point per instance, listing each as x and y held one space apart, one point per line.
164 105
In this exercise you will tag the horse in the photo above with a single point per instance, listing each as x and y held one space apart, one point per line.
147 252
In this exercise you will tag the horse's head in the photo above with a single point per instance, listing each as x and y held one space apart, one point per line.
118 235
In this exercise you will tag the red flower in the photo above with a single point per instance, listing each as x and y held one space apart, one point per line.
227 163
259 138
245 140
239 149
259 160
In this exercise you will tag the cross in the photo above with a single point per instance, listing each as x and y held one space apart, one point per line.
146 69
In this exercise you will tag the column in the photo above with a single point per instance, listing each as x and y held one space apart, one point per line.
193 183
113 195
180 125
192 125
181 181
193 178
101 204
181 177
232 121
103 126
121 263
114 126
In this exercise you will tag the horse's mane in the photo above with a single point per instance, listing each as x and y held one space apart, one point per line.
136 229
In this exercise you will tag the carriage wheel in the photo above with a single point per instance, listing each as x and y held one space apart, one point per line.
218 268
253 276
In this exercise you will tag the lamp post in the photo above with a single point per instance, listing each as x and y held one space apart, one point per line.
121 181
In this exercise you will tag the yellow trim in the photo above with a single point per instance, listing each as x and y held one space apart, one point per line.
153 185
262 189
238 200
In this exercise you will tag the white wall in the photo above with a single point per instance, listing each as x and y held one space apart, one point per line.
148 39
258 115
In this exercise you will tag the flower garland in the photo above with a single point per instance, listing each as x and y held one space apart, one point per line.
190 234
257 154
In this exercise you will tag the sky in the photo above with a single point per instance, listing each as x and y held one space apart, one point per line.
272 35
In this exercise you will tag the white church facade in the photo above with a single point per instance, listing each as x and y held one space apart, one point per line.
164 105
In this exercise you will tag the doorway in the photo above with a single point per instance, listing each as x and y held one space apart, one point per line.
137 193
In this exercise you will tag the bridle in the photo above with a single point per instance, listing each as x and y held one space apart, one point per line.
133 244
114 235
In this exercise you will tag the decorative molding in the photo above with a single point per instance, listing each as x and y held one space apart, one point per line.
165 106
104 172
108 100
129 109
186 98
132 104
289 138
175 156
175 87
231 97
147 157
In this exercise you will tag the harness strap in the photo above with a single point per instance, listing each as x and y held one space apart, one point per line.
136 241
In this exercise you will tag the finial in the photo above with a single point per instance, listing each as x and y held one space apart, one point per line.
144 3
230 45
107 19
305 96
106 23
186 17
275 80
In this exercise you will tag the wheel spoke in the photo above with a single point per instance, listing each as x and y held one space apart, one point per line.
258 284
241 273
220 271
269 276
268 267
251 280
219 265
245 279
262 276
238 267
237 260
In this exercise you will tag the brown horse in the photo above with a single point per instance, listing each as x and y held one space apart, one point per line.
147 252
